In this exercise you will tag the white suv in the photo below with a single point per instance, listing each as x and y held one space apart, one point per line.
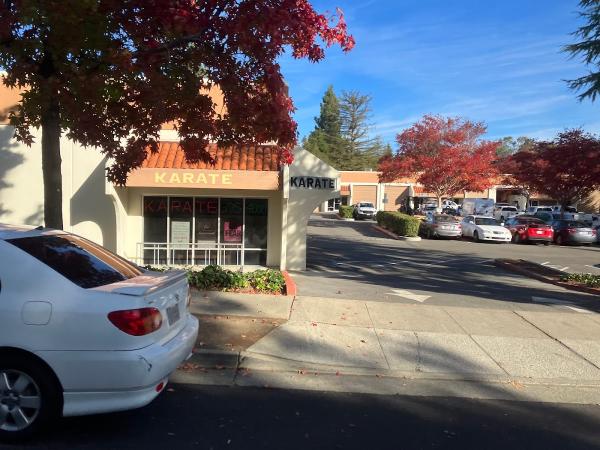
83 331
364 210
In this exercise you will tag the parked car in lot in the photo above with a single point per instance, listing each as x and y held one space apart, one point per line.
549 217
534 209
505 212
83 331
573 232
529 229
477 206
364 210
482 228
441 225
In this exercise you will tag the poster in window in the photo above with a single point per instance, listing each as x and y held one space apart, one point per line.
232 232
180 233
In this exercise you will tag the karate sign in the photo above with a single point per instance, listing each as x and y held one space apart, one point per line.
312 183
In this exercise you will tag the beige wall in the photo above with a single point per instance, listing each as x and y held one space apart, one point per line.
300 203
395 197
364 193
87 210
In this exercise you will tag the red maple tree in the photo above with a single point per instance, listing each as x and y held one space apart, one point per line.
567 168
109 73
446 155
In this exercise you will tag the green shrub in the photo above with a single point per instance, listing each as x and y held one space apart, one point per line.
214 277
398 223
586 278
346 211
267 280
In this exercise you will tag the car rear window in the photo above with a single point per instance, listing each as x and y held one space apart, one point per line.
509 208
577 225
485 221
530 220
445 219
79 260
365 205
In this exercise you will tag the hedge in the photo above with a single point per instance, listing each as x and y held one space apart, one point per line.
584 278
398 223
345 212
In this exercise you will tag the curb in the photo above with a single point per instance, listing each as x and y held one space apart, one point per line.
291 289
513 266
395 236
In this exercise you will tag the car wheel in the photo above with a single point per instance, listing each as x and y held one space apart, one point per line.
29 397
517 238
559 240
475 236
428 235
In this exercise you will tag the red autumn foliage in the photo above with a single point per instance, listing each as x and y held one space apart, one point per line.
445 154
109 73
566 168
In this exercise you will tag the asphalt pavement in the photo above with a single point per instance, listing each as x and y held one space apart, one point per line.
197 417
352 260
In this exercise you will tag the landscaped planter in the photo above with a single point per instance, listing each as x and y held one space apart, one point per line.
216 278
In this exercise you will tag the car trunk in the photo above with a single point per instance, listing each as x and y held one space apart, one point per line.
168 292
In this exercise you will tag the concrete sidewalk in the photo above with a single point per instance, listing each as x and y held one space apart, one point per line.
329 344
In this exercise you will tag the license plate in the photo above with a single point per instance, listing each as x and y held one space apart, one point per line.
173 314
539 232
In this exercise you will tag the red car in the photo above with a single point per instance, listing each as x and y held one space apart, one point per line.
529 229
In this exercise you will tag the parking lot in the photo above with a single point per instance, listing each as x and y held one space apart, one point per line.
353 260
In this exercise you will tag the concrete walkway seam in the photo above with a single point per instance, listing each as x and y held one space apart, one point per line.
558 341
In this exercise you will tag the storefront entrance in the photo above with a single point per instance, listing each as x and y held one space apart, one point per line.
204 230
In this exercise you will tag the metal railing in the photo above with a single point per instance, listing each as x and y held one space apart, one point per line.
197 254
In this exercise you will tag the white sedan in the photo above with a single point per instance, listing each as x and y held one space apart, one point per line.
482 228
83 331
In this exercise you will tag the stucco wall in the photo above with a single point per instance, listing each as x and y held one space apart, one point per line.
302 202
87 210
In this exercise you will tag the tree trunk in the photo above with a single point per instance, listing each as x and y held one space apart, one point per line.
51 165
439 203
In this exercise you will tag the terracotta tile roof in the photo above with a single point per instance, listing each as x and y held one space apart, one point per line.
259 158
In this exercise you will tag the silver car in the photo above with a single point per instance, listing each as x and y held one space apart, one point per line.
441 225
573 232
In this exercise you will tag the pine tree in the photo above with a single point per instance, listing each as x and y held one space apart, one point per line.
589 49
325 140
361 151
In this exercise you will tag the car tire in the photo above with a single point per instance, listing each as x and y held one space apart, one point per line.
559 240
518 238
30 383
475 236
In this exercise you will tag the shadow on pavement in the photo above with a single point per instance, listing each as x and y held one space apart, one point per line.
195 417
336 258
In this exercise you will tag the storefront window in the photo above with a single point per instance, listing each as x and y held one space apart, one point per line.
155 230
232 230
207 226
181 213
205 230
255 235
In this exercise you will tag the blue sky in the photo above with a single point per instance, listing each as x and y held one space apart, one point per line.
494 61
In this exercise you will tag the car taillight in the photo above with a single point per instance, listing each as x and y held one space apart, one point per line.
136 322
594 232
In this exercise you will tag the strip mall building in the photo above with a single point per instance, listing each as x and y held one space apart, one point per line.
247 210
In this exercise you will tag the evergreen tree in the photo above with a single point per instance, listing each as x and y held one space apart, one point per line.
589 49
325 140
361 151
